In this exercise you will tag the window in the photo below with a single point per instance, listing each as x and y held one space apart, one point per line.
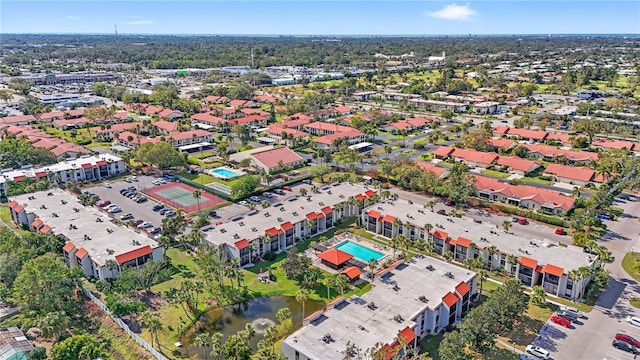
297 355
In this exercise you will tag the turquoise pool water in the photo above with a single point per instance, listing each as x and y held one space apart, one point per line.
225 173
361 252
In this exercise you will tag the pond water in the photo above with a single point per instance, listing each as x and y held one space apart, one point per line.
260 312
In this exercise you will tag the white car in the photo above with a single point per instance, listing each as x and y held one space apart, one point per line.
109 207
114 210
633 320
106 184
571 310
537 351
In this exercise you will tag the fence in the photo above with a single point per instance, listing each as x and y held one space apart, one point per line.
124 326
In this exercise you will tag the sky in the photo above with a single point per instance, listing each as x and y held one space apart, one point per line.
307 17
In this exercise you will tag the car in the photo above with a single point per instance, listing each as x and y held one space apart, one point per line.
568 315
267 194
127 216
158 207
155 230
624 196
163 210
560 320
243 203
279 191
441 212
131 188
122 191
628 339
213 213
141 199
477 221
127 180
523 221
138 222
288 188
306 181
103 203
568 309
625 346
126 193
133 178
633 320
449 202
107 185
515 219
144 225
603 217
170 213
560 231
537 351
114 210
189 220
107 207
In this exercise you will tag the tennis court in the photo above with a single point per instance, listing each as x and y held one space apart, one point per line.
180 196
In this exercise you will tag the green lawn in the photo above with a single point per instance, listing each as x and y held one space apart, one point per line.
429 345
526 331
494 173
200 178
635 302
629 262
532 180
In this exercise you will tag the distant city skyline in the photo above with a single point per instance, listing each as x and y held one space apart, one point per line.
303 17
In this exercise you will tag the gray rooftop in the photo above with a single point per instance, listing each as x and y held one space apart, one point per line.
545 251
292 211
120 239
353 321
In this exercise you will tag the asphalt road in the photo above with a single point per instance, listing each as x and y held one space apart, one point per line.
592 339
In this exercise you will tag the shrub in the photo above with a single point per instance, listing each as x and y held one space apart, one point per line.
84 142
418 146
120 305
269 256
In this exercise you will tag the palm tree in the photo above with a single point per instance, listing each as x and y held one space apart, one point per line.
506 225
283 314
203 341
216 345
301 296
53 324
482 276
575 192
372 263
512 260
197 194
328 282
421 245
151 321
538 295
303 192
491 250
430 204
341 282
448 256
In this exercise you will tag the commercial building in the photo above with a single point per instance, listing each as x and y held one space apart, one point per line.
407 302
534 261
96 244
285 223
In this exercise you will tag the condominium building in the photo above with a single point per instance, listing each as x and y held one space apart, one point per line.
407 302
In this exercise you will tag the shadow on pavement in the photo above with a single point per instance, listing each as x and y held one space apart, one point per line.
548 337
609 297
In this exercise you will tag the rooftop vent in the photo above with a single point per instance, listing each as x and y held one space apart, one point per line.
398 318
110 251
76 210
98 219
254 229
87 237
430 267
449 275
423 299
223 230
42 207
236 236
109 230
241 223
295 213
280 219
372 305
361 327
54 215
396 287
135 242
72 227
49 194
327 338
321 203
31 197
63 202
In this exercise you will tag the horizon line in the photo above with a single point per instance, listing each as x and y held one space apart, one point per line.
325 35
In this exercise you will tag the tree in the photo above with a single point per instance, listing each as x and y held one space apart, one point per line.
216 345
197 194
151 321
79 347
482 276
341 282
301 296
430 204
319 171
448 256
53 324
203 341
17 152
21 86
453 346
506 225
245 185
45 284
588 127
372 264
161 154
538 295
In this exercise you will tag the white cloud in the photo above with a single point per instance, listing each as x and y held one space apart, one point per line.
141 22
70 17
135 17
454 12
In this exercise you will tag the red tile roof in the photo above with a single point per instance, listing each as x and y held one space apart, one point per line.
501 130
435 169
184 135
615 144
41 174
286 226
208 118
361 197
101 163
351 272
463 288
471 155
502 143
389 219
168 112
407 335
36 223
166 125
443 151
86 166
561 137
330 138
19 178
241 244
327 210
529 134
528 262
374 214
68 247
546 197
81 253
273 232
12 204
463 242
369 193
18 208
440 234
553 270
552 151
311 216
571 172
133 254
272 158
516 163
335 256
450 299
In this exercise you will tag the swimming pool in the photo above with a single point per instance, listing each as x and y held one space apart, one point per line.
224 173
361 252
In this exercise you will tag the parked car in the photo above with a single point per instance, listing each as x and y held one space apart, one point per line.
255 198
537 351
628 339
568 309
624 196
107 185
624 346
188 220
170 213
110 206
122 191
141 199
213 213
144 224
515 219
243 203
560 321
568 315
523 221
603 217
158 207
633 320
155 230
138 222
103 203
127 216
279 191
288 188
164 211
478 221
114 210
560 231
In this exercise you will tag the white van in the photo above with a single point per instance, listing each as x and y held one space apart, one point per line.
633 320
537 351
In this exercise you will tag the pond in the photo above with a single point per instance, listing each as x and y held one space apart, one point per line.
260 312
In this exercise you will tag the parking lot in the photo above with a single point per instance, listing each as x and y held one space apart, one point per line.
140 211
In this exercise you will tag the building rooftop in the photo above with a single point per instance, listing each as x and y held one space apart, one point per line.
545 251
399 296
63 212
13 344
294 209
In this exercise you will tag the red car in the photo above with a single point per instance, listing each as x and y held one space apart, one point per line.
561 321
523 221
628 339
560 231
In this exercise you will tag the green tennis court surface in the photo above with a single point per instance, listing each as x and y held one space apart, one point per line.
182 196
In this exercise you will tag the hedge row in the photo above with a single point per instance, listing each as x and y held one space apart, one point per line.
548 219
